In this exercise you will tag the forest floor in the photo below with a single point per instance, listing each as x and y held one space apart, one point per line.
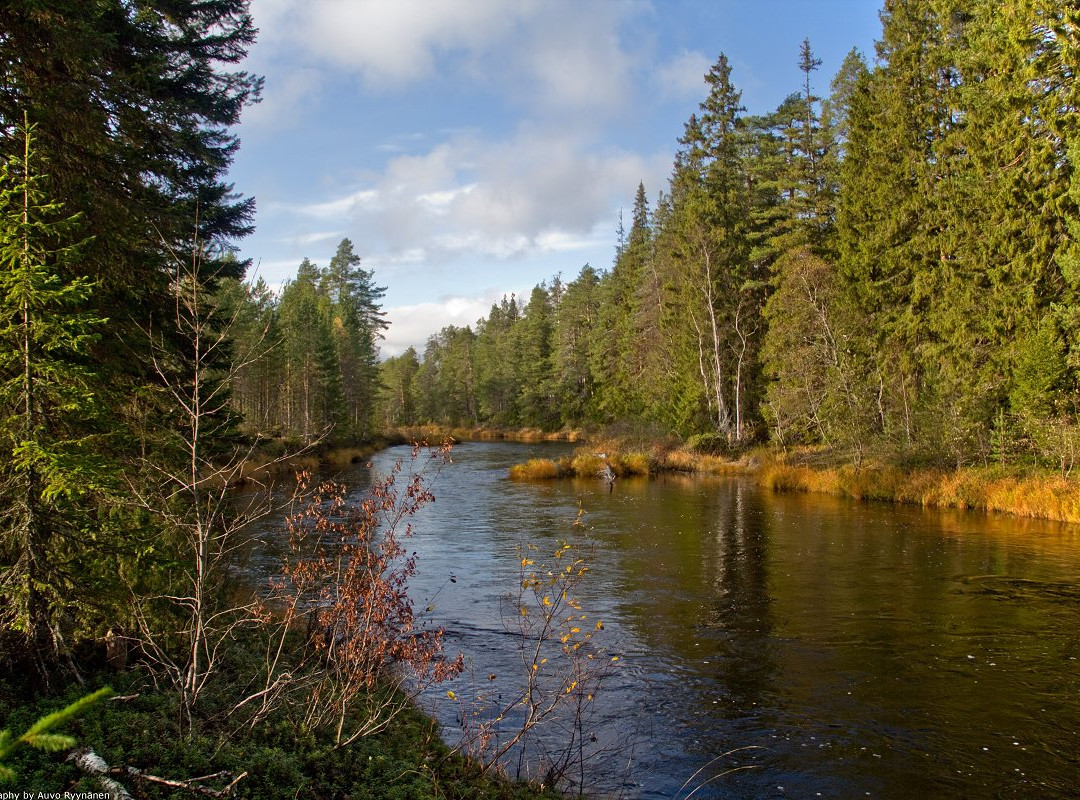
138 732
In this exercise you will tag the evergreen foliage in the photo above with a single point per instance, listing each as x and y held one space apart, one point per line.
53 430
892 268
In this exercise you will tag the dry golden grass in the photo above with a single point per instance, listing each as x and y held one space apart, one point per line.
680 461
261 468
625 464
535 469
1049 497
586 465
344 456
1039 496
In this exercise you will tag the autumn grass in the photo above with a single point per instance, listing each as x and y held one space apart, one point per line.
439 433
590 461
344 456
1023 492
263 468
535 469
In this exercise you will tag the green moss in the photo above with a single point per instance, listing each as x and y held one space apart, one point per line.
409 761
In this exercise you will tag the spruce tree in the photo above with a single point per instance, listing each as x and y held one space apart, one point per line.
887 217
575 325
721 290
52 431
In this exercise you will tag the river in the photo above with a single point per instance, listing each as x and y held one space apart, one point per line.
774 645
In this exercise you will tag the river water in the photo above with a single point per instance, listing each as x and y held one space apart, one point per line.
839 649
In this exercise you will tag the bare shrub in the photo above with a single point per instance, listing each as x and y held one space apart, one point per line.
366 653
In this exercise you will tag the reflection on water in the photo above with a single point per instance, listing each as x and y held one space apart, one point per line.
859 649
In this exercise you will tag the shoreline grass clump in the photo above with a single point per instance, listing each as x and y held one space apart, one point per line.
535 469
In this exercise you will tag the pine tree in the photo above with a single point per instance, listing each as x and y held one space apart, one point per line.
496 364
358 324
397 380
721 291
575 323
53 422
534 334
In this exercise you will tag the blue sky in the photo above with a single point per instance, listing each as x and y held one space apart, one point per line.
472 148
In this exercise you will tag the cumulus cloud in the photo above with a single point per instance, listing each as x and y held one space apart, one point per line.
683 76
411 325
338 208
391 43
528 47
302 239
533 193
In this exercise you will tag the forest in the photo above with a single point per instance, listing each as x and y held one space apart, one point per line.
889 269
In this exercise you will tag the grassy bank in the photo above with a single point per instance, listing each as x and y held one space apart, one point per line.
626 459
272 459
1022 491
434 434
280 760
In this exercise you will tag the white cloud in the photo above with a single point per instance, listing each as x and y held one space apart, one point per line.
531 194
563 55
337 208
312 238
683 76
388 42
411 325
580 67
440 202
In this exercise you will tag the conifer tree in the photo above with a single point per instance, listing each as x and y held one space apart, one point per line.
52 424
397 382
886 218
721 291
534 334
575 326
496 364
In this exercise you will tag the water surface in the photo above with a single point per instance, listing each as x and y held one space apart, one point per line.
860 650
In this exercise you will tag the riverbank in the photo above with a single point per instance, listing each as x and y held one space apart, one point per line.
435 434
275 458
1021 491
139 736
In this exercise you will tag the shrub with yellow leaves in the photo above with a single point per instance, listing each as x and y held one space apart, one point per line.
562 671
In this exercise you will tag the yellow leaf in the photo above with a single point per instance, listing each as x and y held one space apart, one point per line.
451 695
547 600
614 658
599 625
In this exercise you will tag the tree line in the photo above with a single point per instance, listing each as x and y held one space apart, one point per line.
892 267
307 356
